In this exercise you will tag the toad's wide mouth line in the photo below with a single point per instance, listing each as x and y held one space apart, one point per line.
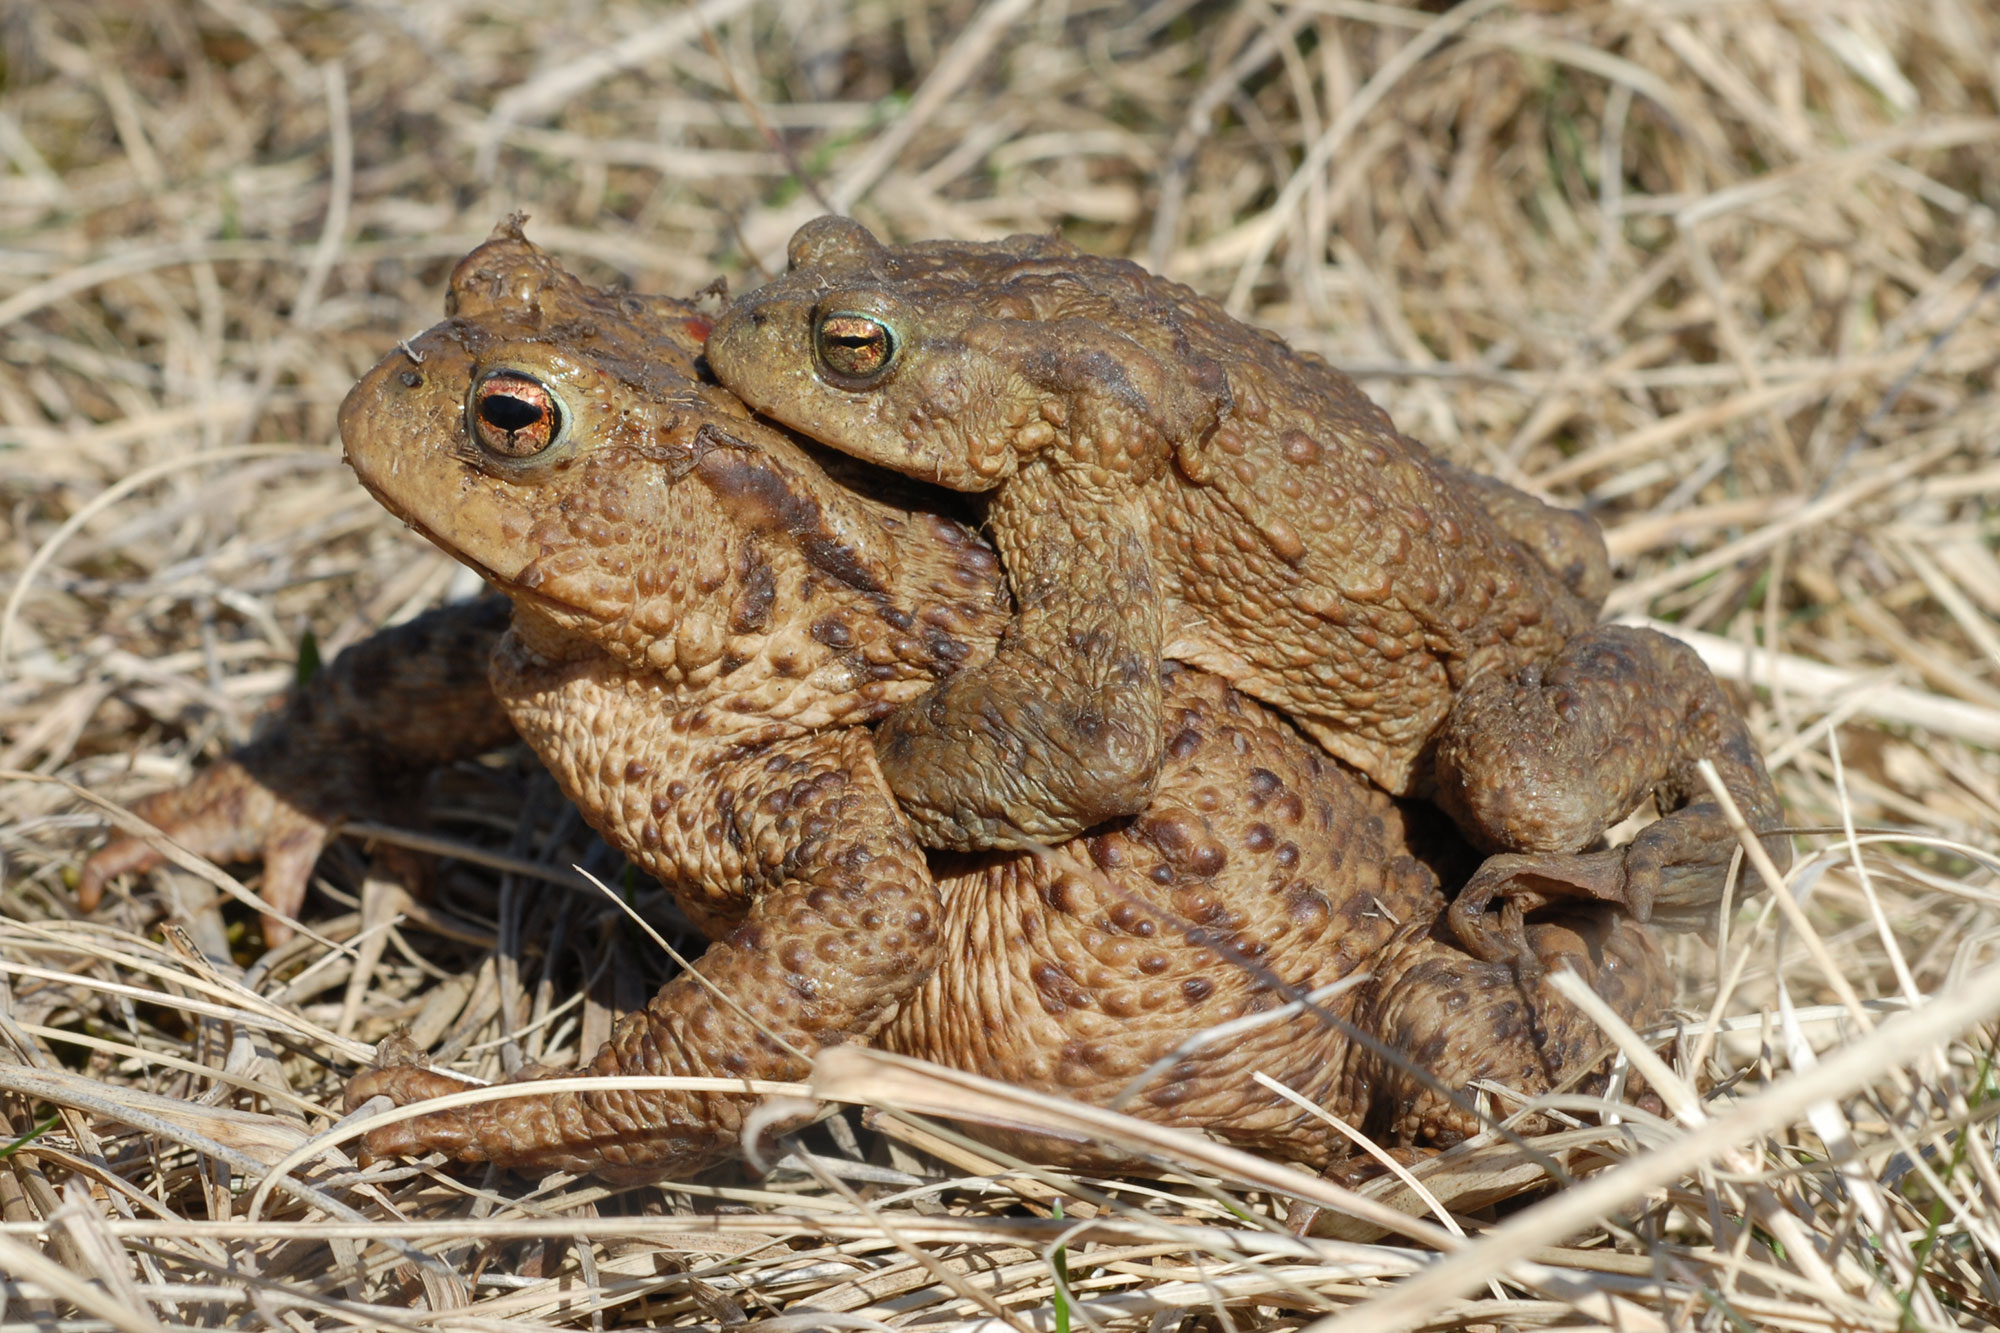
511 587
880 482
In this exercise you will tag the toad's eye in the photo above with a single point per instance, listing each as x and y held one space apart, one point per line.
854 351
513 415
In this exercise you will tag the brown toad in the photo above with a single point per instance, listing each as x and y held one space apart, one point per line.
1169 483
702 625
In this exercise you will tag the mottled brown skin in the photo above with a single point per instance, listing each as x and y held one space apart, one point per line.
1258 861
703 627
1169 483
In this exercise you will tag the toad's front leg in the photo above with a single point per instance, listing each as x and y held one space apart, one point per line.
840 924
1060 731
1536 766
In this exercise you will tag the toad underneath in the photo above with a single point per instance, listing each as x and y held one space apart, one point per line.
702 627
1167 482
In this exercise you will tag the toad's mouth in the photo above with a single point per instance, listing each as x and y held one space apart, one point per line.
519 583
430 535
884 484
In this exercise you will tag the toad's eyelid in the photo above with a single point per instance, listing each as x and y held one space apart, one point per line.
827 319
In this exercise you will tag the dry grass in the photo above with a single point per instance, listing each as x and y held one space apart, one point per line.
1719 270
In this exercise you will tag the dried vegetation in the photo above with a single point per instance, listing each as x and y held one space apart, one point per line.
1720 270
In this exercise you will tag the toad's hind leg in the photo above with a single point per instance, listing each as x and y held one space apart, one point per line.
1568 544
1538 765
1460 1020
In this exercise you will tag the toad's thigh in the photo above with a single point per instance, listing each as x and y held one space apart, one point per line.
1260 871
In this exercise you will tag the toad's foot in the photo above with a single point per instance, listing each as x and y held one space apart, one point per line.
1060 731
623 1137
1537 766
226 814
1448 1020
1671 874
354 741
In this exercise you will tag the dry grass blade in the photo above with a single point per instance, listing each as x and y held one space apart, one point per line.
877 1078
1722 274
25 1263
1850 1070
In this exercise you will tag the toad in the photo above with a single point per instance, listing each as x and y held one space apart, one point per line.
703 627
1166 482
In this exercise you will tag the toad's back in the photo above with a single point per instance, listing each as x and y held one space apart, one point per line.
1309 552
1168 482
1361 580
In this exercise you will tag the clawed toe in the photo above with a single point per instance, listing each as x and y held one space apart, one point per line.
402 1084
404 1077
1523 883
1490 938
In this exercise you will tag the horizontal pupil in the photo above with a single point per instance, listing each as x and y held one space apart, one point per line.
509 414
